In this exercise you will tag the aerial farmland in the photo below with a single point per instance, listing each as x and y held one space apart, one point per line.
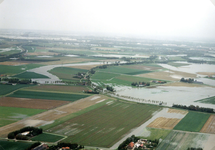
100 95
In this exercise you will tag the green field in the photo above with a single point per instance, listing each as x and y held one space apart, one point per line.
11 145
177 64
182 141
103 76
12 114
11 70
105 125
47 137
30 75
193 122
153 133
210 100
5 89
48 95
123 70
66 72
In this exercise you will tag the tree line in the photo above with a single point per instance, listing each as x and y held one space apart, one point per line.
19 81
194 108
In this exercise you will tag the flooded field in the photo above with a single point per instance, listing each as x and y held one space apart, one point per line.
171 94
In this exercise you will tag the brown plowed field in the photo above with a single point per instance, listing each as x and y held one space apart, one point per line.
59 88
12 63
209 126
51 115
31 103
164 123
183 112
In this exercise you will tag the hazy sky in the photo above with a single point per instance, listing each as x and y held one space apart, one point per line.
172 18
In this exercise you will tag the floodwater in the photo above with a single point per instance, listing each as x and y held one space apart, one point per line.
52 78
171 94
194 69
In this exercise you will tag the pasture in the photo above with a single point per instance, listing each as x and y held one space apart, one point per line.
152 133
29 75
193 122
66 72
5 89
12 145
105 125
59 88
12 114
209 100
47 137
31 103
48 95
182 141
12 70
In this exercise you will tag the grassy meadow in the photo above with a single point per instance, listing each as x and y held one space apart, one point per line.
5 89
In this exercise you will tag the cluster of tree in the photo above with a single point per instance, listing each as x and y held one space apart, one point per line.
33 131
19 81
187 80
123 145
195 108
33 146
79 75
102 67
92 71
133 138
140 83
191 148
109 88
73 146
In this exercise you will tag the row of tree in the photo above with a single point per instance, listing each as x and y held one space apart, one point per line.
195 108
187 80
109 88
19 81
33 131
140 83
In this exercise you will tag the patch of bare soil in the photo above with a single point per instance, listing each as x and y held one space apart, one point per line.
209 126
13 63
206 73
164 123
183 84
30 103
183 112
87 67
210 144
168 75
51 115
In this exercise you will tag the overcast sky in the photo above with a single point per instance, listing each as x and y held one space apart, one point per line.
171 18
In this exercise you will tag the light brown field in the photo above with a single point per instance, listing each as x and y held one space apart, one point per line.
51 115
58 88
13 63
87 67
206 73
183 84
164 123
209 126
31 103
162 75
183 112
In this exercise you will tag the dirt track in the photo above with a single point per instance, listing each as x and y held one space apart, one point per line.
51 115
